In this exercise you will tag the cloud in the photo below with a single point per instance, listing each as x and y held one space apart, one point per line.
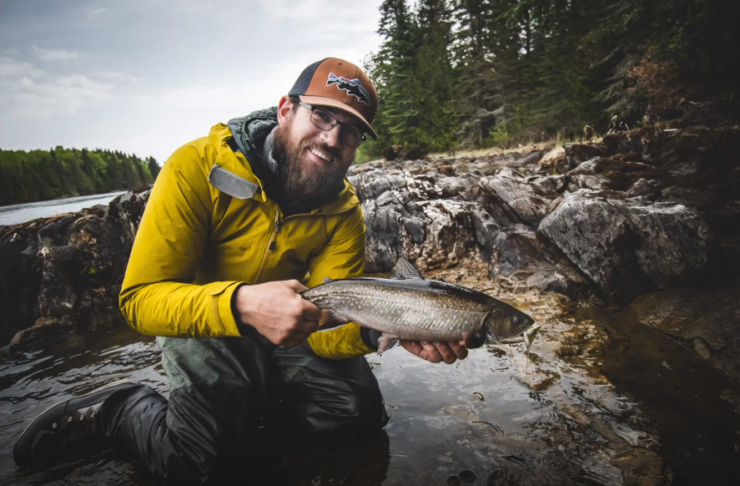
30 92
55 54
119 76
58 95
13 68
95 12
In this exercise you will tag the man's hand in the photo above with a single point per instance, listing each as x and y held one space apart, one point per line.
449 352
277 311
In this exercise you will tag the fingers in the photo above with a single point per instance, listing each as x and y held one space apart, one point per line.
311 312
460 351
449 352
413 347
295 285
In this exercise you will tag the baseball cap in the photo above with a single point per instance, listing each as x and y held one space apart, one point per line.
339 84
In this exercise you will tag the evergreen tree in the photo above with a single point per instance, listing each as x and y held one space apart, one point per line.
474 93
433 70
392 70
60 172
114 172
153 167
130 177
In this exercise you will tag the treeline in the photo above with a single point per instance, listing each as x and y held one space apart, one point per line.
476 73
62 172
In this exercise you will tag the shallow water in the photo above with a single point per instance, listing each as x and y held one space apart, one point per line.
20 213
569 425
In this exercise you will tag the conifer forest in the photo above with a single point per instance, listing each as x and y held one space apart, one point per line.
466 74
62 172
481 73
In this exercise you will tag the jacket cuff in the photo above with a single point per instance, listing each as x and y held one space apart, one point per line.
225 313
339 343
242 327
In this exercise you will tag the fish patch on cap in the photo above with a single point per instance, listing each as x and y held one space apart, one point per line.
351 86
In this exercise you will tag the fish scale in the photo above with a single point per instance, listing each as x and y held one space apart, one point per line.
408 306
393 308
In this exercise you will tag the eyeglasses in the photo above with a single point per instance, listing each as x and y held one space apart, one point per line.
326 121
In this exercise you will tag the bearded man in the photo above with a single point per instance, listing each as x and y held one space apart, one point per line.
235 223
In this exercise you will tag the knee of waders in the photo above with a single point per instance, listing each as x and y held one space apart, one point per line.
359 413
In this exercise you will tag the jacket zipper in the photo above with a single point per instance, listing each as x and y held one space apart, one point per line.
273 236
270 246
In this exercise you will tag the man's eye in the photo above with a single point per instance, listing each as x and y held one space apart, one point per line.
324 116
354 134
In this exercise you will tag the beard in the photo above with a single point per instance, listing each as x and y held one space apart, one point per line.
301 181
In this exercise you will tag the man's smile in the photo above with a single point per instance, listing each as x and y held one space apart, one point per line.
322 155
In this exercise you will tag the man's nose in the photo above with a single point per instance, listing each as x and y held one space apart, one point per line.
333 137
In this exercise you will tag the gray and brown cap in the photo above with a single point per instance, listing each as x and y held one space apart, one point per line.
340 84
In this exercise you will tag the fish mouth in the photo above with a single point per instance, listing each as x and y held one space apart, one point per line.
527 336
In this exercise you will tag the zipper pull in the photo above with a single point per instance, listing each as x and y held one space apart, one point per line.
277 225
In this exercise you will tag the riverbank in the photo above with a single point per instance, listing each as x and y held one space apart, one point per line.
13 214
626 250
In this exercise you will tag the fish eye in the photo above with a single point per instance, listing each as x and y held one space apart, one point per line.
517 319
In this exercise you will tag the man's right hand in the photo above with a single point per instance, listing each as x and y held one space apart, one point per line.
277 311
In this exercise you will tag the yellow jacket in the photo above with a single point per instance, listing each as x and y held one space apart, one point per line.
197 243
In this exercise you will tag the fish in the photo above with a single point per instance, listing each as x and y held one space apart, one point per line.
408 306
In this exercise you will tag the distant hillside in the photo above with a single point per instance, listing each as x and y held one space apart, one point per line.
48 174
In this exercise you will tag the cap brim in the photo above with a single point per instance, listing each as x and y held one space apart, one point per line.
321 101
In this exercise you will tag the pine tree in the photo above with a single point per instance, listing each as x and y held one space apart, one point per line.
153 167
392 70
433 69
130 177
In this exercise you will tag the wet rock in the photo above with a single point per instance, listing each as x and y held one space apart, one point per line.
555 159
593 234
640 467
643 210
63 274
623 142
530 159
627 246
605 173
578 153
551 183
672 242
529 202
705 321
20 280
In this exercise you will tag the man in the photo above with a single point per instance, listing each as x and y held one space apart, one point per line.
234 223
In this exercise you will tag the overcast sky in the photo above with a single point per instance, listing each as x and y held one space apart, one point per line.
146 76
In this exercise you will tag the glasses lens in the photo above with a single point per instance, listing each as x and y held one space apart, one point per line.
325 121
322 119
351 137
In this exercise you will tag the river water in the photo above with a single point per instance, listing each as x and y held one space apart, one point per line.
636 409
20 213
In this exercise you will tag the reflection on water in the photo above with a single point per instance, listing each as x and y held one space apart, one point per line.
20 213
473 420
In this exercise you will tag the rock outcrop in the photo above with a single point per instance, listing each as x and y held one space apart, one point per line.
61 274
606 222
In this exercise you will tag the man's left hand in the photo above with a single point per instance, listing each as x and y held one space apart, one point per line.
449 352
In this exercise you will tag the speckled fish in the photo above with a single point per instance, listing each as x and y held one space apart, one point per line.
408 306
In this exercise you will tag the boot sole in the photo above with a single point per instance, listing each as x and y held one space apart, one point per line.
104 387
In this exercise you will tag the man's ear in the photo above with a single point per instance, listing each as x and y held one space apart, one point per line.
285 106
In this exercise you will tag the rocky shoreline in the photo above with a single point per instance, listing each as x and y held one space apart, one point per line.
649 217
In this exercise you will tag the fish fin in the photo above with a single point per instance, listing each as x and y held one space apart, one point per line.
474 339
327 280
329 320
404 270
386 342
